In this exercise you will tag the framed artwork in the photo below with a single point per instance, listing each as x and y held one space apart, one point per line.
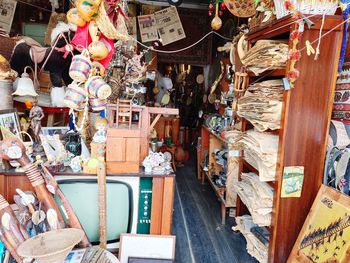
9 120
7 11
325 236
149 248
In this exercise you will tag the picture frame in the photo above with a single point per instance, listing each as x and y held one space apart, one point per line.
9 119
325 235
150 247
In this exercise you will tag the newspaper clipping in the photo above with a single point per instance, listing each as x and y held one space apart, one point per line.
169 25
148 28
7 11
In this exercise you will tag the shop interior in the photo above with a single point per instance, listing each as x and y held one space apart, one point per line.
189 131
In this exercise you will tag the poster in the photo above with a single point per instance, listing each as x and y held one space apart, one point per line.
292 182
9 121
148 29
325 236
7 11
169 25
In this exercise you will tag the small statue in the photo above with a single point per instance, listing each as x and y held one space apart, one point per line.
101 131
36 115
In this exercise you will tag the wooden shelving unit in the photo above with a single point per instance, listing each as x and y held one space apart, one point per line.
209 142
304 128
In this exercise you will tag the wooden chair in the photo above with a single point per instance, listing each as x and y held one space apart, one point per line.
124 112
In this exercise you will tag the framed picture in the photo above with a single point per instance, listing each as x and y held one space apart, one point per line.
149 248
325 236
9 120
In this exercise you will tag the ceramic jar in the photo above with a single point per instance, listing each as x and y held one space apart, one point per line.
75 97
97 104
80 67
98 88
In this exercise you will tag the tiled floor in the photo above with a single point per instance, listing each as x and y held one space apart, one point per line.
200 237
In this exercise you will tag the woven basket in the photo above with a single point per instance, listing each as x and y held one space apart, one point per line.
241 8
52 246
120 32
7 45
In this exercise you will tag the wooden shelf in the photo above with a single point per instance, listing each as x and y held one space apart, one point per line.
216 135
250 167
218 190
305 118
271 73
284 25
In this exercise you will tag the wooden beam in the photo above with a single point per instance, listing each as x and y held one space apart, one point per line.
154 122
168 204
157 206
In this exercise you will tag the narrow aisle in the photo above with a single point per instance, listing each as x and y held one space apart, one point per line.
200 237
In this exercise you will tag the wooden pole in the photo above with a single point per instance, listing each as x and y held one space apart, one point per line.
102 203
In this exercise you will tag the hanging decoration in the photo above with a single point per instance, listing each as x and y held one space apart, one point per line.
345 6
295 37
216 23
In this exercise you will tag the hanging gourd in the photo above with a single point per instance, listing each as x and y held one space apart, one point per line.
216 23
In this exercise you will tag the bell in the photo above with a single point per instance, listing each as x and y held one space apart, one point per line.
25 86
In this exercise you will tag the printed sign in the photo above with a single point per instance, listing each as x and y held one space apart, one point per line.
148 29
169 25
7 11
292 183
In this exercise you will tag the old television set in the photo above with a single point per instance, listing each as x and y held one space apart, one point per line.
129 201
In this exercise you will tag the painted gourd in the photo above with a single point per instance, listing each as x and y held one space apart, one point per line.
98 50
87 9
74 17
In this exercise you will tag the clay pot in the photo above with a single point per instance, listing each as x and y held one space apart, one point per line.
180 154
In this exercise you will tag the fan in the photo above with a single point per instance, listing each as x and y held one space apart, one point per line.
175 2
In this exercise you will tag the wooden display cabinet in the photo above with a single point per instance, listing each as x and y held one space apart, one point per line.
304 126
209 142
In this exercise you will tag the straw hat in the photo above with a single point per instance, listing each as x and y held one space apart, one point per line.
241 8
106 26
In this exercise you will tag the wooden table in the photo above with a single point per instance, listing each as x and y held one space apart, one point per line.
162 194
44 101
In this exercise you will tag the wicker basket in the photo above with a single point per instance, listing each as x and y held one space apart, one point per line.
120 32
7 45
241 8
52 246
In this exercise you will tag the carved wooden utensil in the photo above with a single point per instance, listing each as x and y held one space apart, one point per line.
13 150
73 220
12 232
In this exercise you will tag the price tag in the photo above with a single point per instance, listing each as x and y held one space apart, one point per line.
234 153
286 84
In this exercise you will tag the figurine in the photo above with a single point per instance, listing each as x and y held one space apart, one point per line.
36 115
101 133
